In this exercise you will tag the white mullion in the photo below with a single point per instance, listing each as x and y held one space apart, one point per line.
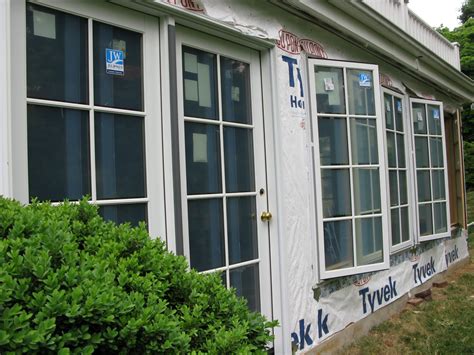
90 50
232 267
61 104
122 201
342 115
430 167
398 169
119 111
332 167
201 120
224 189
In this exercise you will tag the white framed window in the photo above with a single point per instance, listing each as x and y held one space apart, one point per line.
91 117
431 181
398 143
349 168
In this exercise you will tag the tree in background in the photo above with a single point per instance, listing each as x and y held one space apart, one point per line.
464 35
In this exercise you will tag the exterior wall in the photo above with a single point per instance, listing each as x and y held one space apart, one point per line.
4 98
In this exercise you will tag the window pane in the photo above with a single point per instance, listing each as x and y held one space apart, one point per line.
56 55
401 151
364 141
199 83
405 228
421 147
392 174
402 179
438 185
395 223
398 114
246 282
330 90
120 156
419 119
392 153
436 147
426 220
118 70
361 92
242 229
389 121
338 250
333 141
238 158
206 234
424 186
235 81
441 224
58 153
434 120
203 159
336 192
366 191
369 240
133 214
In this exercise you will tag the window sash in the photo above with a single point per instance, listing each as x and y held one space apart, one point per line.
325 273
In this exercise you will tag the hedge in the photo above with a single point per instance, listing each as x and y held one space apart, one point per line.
72 283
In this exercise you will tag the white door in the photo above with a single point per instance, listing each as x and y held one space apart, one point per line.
222 161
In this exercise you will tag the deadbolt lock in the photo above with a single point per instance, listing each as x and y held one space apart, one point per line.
266 216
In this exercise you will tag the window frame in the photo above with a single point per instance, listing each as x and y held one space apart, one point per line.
407 132
419 238
385 264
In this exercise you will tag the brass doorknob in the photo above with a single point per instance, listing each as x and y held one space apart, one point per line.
266 216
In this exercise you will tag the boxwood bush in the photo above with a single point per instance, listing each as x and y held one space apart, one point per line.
70 283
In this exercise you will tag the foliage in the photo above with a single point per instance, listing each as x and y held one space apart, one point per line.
70 282
469 164
467 11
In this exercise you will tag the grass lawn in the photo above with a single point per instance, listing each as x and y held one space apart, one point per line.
444 325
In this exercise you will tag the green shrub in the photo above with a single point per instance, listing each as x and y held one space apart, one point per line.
70 282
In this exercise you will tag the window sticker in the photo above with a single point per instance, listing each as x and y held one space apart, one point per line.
419 118
328 84
44 24
364 80
399 106
235 94
436 114
199 148
388 106
114 62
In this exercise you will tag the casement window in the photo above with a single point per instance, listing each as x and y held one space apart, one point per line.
90 108
397 143
431 180
349 168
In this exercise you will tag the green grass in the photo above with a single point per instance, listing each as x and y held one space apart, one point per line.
442 326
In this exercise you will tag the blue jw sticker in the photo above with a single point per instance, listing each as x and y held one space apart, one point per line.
364 80
114 61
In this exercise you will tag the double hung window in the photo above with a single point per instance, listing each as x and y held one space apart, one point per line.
350 174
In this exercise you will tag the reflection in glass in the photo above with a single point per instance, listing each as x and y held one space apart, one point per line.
424 186
421 148
405 224
329 90
122 87
333 141
246 282
434 120
120 156
56 45
199 83
336 192
402 178
392 153
392 174
238 157
438 184
235 82
364 141
58 153
395 223
441 224
242 229
361 92
338 250
206 234
131 213
203 167
399 114
369 240
426 219
419 118
401 151
366 191
436 150
389 121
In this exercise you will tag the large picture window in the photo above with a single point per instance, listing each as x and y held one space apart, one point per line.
397 151
431 174
350 173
